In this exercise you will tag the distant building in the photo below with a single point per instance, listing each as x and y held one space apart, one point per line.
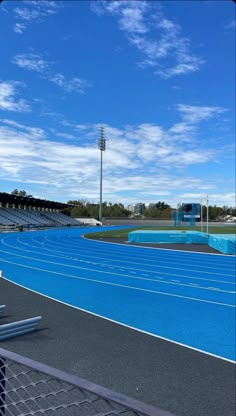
130 208
139 209
150 205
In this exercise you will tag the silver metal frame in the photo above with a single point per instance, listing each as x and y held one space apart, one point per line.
28 387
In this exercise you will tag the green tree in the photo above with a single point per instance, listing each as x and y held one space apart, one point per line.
15 192
19 192
159 210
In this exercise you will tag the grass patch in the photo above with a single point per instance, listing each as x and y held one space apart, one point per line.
124 233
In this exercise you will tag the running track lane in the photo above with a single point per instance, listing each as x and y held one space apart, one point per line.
185 297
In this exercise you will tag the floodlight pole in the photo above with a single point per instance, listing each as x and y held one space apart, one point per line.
201 218
207 213
102 148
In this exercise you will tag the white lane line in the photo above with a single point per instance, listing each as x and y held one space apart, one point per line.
125 325
122 286
96 243
195 263
142 264
117 274
62 254
151 260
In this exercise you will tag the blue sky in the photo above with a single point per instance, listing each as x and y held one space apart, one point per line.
159 75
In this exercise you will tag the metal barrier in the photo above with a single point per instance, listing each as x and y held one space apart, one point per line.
30 388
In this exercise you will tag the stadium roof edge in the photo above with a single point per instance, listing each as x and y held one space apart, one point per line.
30 201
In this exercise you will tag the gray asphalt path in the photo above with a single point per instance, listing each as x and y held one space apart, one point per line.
200 248
180 380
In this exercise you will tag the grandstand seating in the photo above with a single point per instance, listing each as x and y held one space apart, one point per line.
11 217
60 218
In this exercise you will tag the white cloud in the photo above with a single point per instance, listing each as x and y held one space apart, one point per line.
65 135
72 85
31 61
181 68
141 163
231 25
8 101
19 27
131 15
34 11
36 62
157 38
194 114
26 14
218 199
132 18
41 159
35 131
181 128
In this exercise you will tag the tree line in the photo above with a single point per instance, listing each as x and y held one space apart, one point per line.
161 210
20 192
86 209
83 208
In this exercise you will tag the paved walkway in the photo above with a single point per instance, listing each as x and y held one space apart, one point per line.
200 248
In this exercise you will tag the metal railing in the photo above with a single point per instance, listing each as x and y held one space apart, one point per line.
29 388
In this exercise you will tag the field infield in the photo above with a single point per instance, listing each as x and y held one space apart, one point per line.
123 232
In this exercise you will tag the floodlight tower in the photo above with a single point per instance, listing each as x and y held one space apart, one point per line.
102 148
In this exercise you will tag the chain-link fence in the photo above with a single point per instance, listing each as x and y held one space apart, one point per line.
29 388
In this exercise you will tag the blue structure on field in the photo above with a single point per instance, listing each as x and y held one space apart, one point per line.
224 243
187 213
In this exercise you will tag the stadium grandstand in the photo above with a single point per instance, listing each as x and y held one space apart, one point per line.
22 212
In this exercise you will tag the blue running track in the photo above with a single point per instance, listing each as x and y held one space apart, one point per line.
185 297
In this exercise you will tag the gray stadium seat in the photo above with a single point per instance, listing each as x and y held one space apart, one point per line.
14 217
